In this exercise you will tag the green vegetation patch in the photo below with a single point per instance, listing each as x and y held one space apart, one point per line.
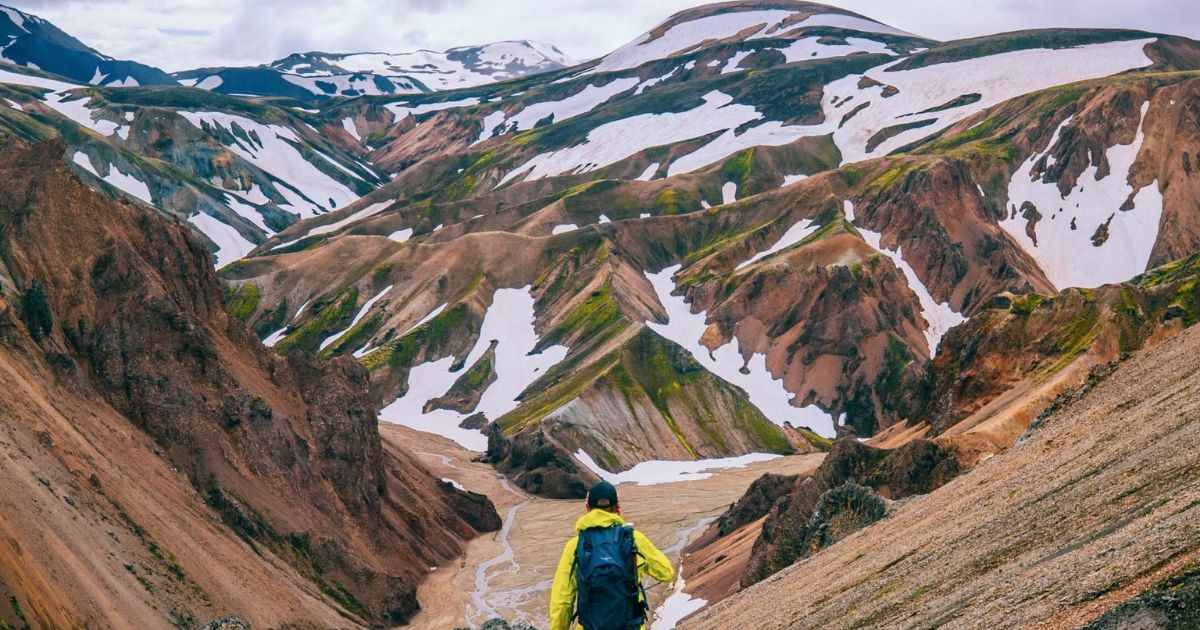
1025 305
243 301
330 316
402 353
737 168
596 315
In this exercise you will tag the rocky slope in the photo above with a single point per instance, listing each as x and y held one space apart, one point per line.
184 471
237 171
1004 370
1104 491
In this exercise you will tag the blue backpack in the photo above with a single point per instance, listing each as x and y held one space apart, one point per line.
609 594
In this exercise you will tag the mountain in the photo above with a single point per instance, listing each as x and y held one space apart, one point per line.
317 74
795 199
1086 522
35 43
160 465
761 227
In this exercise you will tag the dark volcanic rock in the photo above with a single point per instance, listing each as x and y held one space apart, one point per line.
759 497
818 510
537 465
1174 603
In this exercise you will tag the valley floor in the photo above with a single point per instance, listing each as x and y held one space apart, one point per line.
508 574
1098 504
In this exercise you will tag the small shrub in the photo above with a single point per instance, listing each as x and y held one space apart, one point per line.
35 311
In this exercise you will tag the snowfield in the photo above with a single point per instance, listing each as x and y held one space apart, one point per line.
1064 246
656 472
614 141
308 190
576 105
685 36
455 68
996 78
509 321
939 317
764 390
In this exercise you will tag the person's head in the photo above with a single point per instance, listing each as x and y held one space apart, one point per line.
603 496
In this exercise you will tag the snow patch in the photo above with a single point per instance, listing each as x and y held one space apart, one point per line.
788 180
1068 256
275 337
127 184
357 317
939 317
509 321
348 125
764 390
402 110
798 232
649 173
677 606
231 245
210 82
729 192
401 236
576 105
658 472
564 228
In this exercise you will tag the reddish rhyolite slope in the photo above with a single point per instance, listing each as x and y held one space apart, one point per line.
161 465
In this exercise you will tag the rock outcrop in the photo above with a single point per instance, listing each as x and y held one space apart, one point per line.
113 307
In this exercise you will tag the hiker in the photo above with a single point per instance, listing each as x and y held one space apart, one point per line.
598 581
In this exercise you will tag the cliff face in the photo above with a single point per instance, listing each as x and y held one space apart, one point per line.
120 312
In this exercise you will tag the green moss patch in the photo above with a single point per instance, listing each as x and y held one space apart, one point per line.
242 302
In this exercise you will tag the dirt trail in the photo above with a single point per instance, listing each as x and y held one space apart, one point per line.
509 574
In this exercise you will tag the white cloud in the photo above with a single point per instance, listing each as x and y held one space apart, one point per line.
179 34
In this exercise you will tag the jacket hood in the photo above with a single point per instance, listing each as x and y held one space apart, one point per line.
598 518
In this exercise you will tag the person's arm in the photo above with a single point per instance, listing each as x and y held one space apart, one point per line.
651 561
562 593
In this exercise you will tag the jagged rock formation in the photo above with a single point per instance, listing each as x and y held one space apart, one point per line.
152 435
797 524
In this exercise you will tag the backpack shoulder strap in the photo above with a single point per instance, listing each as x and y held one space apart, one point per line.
630 543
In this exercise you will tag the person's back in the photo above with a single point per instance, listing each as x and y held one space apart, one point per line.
601 568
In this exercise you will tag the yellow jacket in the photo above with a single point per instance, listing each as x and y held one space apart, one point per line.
651 562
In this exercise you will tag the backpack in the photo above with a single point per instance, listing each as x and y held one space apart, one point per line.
609 594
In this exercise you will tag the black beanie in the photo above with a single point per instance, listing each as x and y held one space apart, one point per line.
603 495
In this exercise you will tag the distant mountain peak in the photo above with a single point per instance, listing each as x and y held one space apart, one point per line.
33 42
319 74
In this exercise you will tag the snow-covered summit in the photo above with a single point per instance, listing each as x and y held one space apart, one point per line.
318 73
729 22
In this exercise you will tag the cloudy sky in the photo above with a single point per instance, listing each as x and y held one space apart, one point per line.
180 34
